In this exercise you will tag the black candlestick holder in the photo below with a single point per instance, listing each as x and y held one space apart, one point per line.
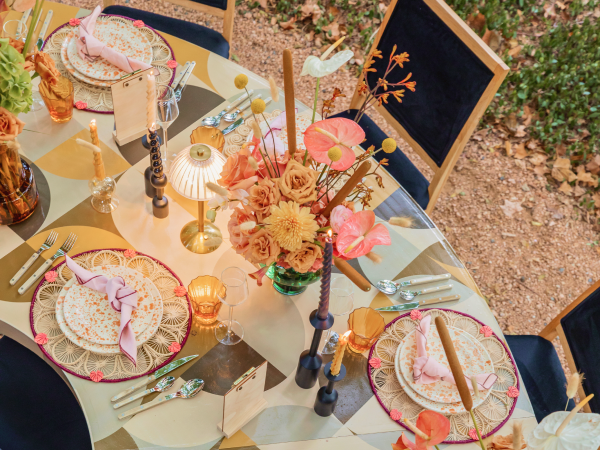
310 360
327 396
160 203
148 144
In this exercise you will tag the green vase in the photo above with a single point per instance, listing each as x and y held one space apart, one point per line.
290 282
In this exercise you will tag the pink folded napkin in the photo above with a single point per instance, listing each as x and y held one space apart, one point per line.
91 48
121 297
427 370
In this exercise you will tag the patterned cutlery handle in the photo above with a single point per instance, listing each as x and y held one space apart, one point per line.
152 404
133 398
36 276
431 279
142 382
436 289
431 301
23 269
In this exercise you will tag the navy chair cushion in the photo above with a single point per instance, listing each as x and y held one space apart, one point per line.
400 167
196 34
583 336
37 408
541 372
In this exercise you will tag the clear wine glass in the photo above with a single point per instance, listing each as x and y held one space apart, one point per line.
341 302
230 332
166 113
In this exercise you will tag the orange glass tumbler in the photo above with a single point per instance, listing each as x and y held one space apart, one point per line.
61 109
206 292
366 325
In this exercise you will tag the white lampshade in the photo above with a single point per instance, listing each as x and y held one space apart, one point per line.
195 166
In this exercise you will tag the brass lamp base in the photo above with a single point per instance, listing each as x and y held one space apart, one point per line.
198 241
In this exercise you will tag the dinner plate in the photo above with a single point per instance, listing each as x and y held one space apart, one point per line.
302 123
120 36
473 357
65 59
105 349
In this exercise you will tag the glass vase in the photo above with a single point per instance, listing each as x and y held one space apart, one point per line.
290 282
18 192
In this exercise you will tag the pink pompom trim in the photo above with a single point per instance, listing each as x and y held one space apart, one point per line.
51 276
96 376
415 314
512 392
41 338
129 253
74 21
473 434
180 291
172 64
138 23
486 331
375 363
174 347
80 105
395 415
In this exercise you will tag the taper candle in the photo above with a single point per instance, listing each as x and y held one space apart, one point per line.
98 162
150 101
336 364
290 105
94 132
323 308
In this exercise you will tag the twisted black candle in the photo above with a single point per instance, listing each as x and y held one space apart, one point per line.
160 203
323 308
154 143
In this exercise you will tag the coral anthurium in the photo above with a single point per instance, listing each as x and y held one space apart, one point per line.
357 236
321 136
431 429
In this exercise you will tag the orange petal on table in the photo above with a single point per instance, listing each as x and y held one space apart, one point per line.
403 443
434 425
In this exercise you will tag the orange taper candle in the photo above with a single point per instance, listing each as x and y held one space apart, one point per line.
336 364
94 132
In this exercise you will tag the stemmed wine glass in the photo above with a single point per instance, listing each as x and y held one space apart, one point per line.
230 332
341 301
166 113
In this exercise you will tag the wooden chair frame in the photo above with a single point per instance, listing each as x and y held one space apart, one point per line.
554 329
228 15
483 52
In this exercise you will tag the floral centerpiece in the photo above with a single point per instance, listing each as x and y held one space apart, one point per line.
285 202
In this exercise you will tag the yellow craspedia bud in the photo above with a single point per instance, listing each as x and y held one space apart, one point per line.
334 154
388 145
241 81
258 106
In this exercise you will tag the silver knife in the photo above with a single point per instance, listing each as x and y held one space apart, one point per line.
415 305
179 77
44 29
155 376
233 126
184 81
239 100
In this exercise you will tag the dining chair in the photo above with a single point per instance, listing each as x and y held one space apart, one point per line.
579 335
196 34
457 76
37 408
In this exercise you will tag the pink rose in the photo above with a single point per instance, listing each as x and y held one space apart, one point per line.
512 392
74 21
175 347
395 415
473 434
138 23
129 253
339 215
237 173
486 331
172 64
180 291
51 276
10 125
96 376
240 239
303 259
415 314
375 363
80 105
41 338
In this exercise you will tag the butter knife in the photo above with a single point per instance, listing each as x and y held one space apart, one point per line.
184 81
44 29
415 305
155 376
179 77
239 100
240 121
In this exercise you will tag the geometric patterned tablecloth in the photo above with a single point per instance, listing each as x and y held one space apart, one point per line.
277 327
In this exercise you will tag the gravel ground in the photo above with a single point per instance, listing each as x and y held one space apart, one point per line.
529 266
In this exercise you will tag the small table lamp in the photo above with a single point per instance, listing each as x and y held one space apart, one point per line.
193 167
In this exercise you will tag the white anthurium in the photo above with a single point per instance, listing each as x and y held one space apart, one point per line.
582 432
229 202
318 68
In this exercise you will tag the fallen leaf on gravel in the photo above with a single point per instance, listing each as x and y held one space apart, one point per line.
510 208
586 177
594 165
520 131
532 145
565 188
527 116
520 163
596 198
262 3
578 191
289 24
494 40
549 10
508 148
538 158
476 22
515 51
334 29
520 151
541 170
562 170
511 122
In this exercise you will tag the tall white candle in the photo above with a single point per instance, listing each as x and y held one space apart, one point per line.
151 101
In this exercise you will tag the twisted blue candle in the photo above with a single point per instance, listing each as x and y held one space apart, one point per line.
323 309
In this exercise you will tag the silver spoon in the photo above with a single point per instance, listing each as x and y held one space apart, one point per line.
409 295
189 390
231 116
161 386
389 287
213 120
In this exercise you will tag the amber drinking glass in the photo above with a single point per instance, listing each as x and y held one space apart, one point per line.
61 109
205 293
366 325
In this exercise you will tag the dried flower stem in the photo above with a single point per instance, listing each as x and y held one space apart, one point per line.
477 430
263 140
316 99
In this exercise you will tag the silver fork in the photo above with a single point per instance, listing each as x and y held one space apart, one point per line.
62 251
50 240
